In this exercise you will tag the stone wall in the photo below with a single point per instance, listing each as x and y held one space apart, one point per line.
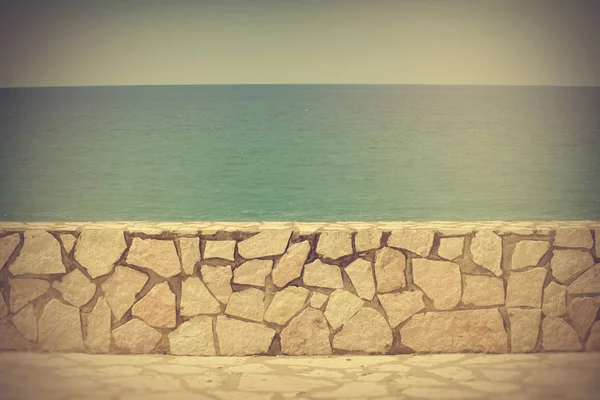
300 289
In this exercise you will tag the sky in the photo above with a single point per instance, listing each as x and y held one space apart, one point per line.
150 42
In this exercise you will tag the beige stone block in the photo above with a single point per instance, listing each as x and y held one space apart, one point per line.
524 329
136 337
565 264
193 338
59 328
335 244
75 288
97 338
11 338
196 299
190 254
390 265
524 289
367 239
25 290
247 304
582 312
279 384
289 266
593 341
597 242
440 280
265 244
367 331
456 331
285 304
26 323
573 238
218 281
40 254
486 248
360 273
223 249
401 306
319 274
159 256
342 306
238 338
483 291
451 248
557 335
554 304
121 288
8 244
307 334
528 253
253 272
98 250
318 299
587 283
3 307
418 241
68 241
157 307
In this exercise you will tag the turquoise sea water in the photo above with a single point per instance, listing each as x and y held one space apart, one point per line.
300 152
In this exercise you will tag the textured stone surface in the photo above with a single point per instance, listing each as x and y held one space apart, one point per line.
587 283
486 248
218 281
157 307
97 338
524 329
190 254
196 299
456 331
307 334
528 253
159 256
367 239
418 241
237 338
26 323
401 306
3 307
289 266
136 337
335 244
440 280
367 331
121 287
582 312
247 304
574 238
59 328
554 304
342 306
597 242
593 341
286 304
68 241
389 269
11 338
8 244
319 274
25 290
193 338
451 248
565 264
524 289
318 299
98 250
265 244
223 249
480 290
40 255
557 335
252 272
360 272
75 288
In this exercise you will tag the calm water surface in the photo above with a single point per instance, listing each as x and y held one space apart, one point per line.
300 152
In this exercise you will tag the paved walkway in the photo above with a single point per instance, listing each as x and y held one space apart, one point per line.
148 377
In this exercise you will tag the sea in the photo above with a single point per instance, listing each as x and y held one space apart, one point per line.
300 153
